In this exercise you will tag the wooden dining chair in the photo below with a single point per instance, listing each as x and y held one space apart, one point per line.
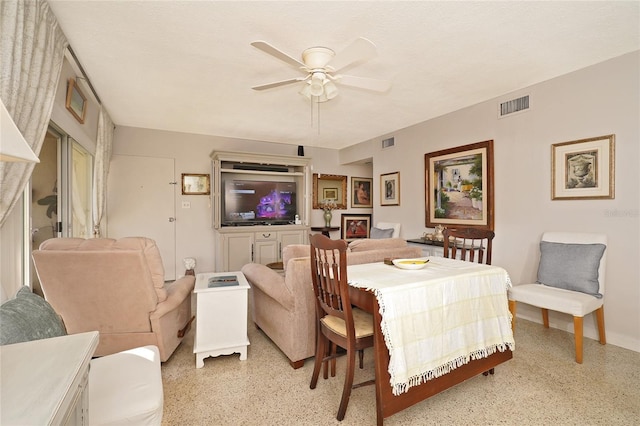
338 322
471 244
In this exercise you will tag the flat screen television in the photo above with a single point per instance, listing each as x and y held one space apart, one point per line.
249 202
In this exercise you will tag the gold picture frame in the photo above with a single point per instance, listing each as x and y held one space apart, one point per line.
583 169
322 182
195 184
76 102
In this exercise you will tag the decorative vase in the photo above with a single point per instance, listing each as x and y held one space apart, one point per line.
327 218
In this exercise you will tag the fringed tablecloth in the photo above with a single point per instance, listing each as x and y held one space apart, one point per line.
437 318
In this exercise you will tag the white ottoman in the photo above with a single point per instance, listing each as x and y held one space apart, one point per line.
126 388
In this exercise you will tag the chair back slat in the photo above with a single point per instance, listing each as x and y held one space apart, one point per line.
468 244
329 276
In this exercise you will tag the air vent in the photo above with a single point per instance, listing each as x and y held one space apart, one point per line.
388 143
513 106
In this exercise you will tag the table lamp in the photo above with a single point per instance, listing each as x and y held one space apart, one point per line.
13 146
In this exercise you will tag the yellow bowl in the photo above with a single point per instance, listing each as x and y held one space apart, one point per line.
410 263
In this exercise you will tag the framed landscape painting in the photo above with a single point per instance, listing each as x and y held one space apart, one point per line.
583 169
459 186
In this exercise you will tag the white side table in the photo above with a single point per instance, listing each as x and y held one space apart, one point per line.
221 318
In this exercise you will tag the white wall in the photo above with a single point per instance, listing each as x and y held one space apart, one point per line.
596 101
194 235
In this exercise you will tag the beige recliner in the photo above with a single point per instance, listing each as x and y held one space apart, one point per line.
115 287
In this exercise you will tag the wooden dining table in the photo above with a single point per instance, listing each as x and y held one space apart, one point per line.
387 403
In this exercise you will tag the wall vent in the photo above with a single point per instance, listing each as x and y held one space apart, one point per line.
513 106
388 143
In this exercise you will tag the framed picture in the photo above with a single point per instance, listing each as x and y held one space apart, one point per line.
336 186
195 184
76 102
330 193
361 192
390 189
355 226
459 186
583 169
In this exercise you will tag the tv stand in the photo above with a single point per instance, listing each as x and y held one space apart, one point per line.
239 243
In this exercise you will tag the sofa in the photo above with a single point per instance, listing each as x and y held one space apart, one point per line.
116 287
283 304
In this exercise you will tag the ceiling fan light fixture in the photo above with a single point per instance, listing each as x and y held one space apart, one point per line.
317 84
330 89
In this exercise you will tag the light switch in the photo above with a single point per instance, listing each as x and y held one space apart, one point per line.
186 205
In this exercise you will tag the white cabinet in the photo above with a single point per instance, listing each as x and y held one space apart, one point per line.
264 246
236 250
46 381
241 235
428 248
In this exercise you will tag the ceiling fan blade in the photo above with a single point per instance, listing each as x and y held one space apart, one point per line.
360 50
278 83
267 48
364 82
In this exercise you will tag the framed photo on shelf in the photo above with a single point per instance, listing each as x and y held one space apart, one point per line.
390 189
195 184
583 169
459 186
361 192
76 102
355 226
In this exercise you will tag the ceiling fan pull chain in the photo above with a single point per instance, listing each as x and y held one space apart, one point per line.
318 114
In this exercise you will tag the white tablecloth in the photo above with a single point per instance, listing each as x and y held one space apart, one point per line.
437 318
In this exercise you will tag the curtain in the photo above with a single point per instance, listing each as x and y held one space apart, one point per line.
31 55
101 169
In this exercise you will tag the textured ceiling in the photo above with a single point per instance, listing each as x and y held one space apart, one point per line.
188 66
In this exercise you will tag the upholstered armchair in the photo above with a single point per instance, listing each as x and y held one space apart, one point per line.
115 287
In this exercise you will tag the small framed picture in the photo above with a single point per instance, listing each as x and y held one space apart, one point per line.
390 189
361 192
195 184
355 226
583 169
330 193
76 102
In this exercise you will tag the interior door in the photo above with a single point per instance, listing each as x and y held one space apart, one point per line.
141 202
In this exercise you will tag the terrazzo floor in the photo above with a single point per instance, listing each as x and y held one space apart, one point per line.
541 385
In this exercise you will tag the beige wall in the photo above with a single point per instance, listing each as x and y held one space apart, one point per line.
595 101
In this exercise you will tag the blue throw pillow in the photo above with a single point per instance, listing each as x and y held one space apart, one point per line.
571 266
377 233
28 317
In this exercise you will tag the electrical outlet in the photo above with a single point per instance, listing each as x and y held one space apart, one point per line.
186 205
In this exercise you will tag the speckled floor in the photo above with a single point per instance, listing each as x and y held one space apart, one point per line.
541 385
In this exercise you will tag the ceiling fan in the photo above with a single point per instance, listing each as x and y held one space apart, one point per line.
321 65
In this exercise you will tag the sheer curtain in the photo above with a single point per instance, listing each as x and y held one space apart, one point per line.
101 169
31 54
